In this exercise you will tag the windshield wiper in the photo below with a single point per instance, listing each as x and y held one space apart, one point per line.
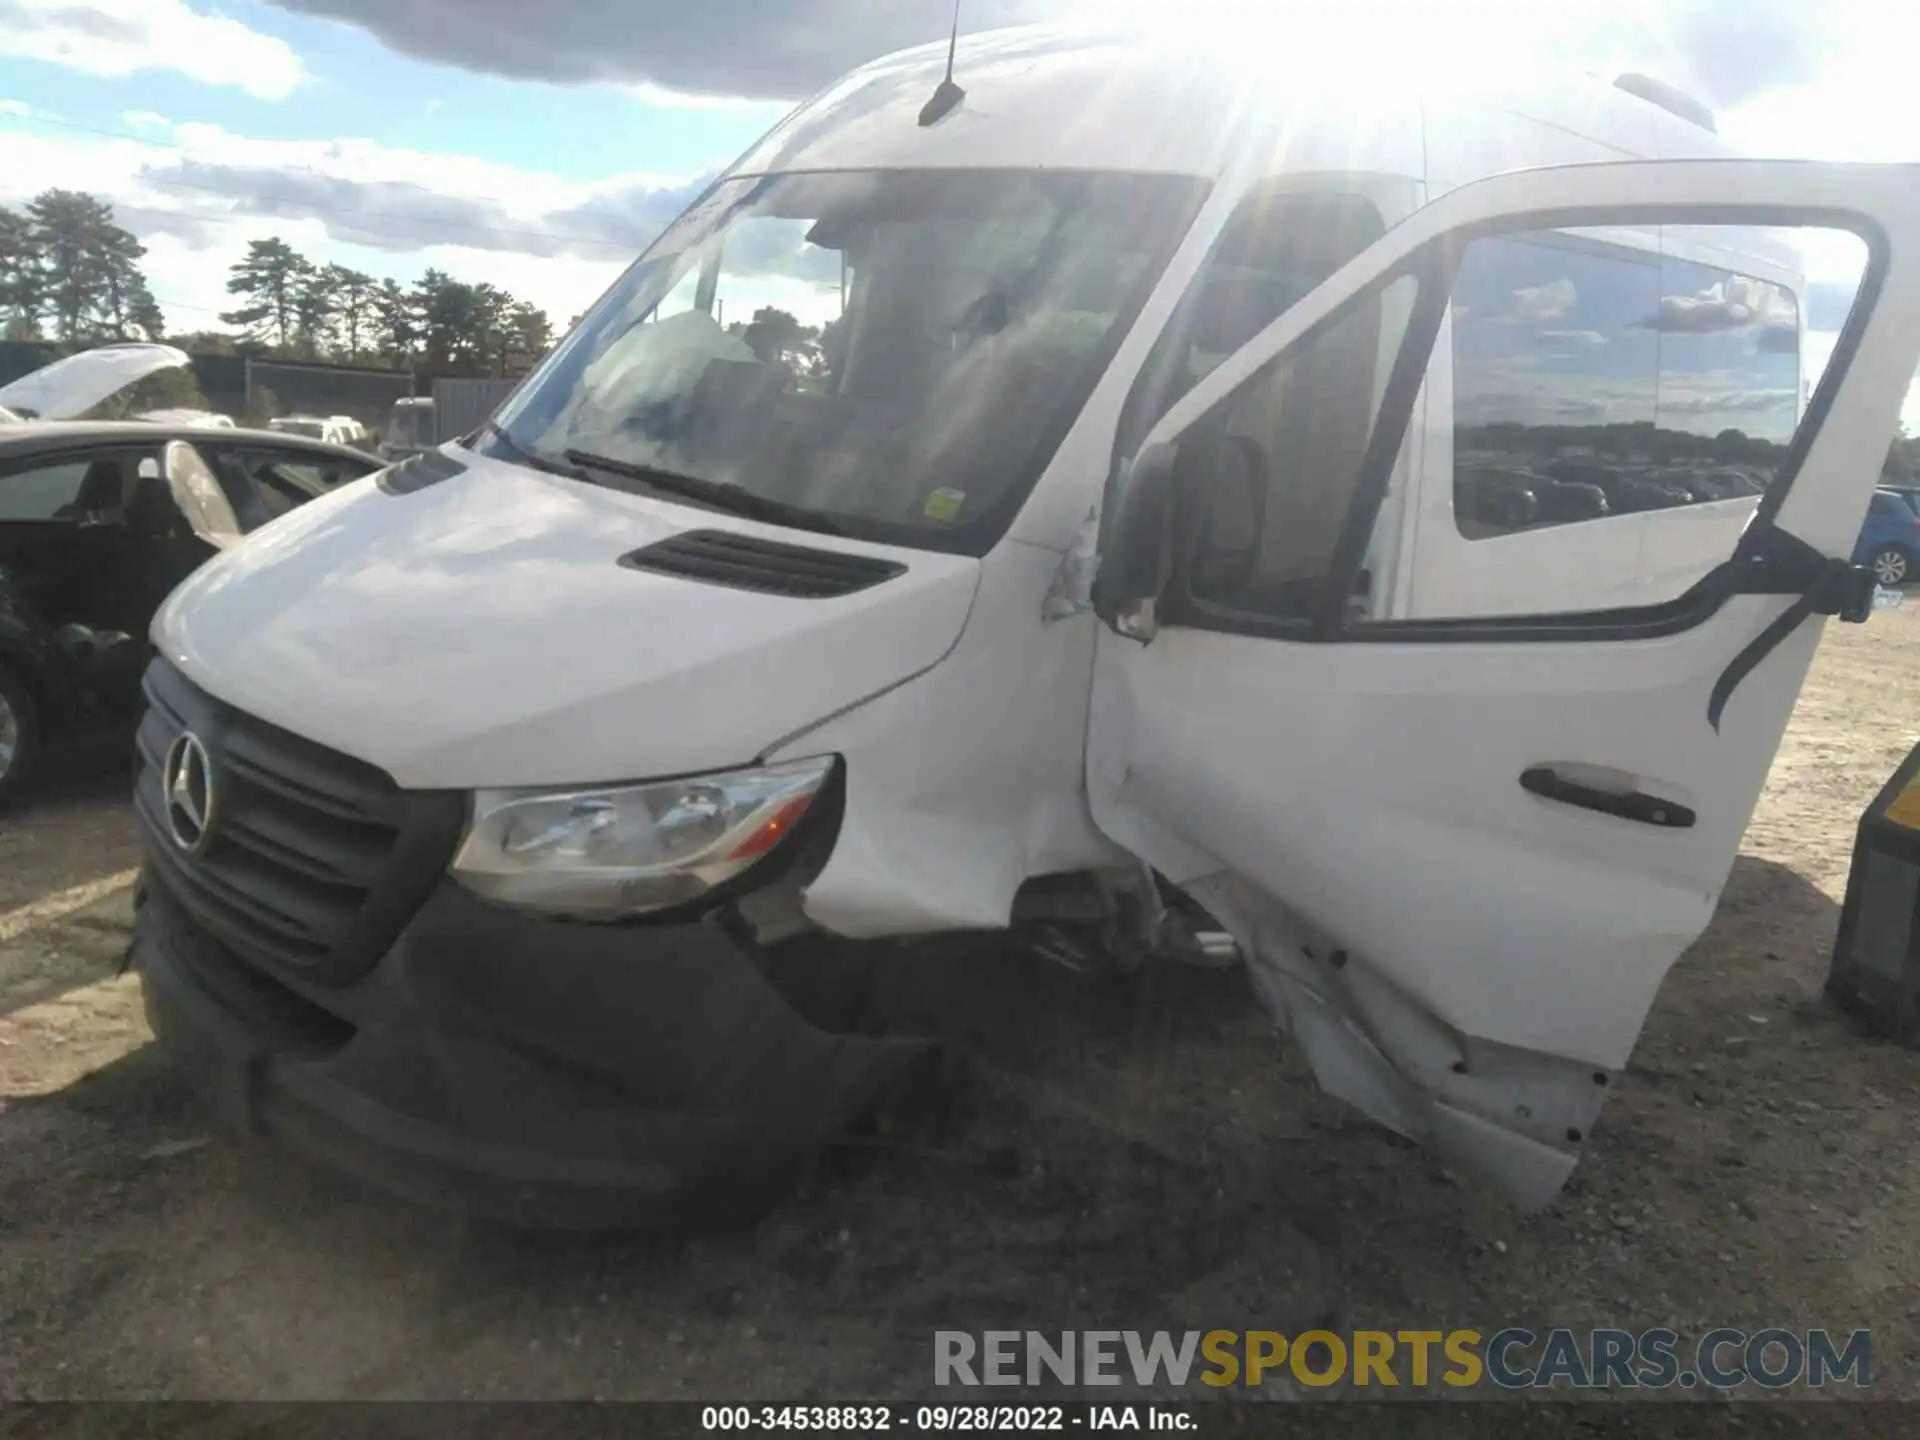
719 494
537 459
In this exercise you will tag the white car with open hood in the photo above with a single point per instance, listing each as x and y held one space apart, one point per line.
1138 495
76 385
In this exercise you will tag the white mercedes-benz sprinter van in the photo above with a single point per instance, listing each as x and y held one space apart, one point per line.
1128 501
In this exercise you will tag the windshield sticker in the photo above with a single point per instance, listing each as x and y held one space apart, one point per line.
944 504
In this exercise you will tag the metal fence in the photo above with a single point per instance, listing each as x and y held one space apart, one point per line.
254 391
283 387
461 405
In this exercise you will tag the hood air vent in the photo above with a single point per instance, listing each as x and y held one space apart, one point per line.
720 557
429 468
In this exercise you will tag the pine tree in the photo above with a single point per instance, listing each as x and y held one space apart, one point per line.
314 297
269 277
71 229
22 279
396 323
354 297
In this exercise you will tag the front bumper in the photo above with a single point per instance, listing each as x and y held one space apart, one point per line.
542 1073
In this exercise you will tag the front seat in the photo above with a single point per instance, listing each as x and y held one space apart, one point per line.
102 491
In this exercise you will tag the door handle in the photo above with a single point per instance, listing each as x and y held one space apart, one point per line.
1549 784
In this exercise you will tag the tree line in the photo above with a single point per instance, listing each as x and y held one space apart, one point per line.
70 274
291 308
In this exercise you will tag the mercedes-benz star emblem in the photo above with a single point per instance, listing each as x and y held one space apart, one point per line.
188 779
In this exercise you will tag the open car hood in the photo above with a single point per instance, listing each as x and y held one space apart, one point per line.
71 388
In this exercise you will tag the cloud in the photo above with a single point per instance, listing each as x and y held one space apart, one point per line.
15 107
1735 303
197 200
1571 407
613 221
118 38
757 49
1697 401
1572 337
1546 302
1728 51
1729 402
143 119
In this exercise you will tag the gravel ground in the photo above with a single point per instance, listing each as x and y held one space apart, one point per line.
1139 1158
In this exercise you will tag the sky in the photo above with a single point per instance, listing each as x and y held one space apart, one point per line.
540 146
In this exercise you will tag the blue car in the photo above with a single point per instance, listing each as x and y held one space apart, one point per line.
1889 543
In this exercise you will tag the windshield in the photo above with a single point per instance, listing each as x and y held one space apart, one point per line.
892 354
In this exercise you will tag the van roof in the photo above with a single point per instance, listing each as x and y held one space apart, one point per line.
1048 96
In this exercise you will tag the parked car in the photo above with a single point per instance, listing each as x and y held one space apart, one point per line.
458 406
1909 495
330 429
410 428
210 418
1889 543
99 520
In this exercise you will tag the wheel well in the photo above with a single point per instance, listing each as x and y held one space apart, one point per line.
33 679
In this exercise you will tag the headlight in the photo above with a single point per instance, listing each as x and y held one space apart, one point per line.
605 854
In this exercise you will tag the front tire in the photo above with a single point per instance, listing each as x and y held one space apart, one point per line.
1891 566
19 733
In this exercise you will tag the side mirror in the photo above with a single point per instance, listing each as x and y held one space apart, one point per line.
1136 548
198 495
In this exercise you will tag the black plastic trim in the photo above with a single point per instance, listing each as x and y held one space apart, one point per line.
543 1073
1636 805
770 567
417 472
314 861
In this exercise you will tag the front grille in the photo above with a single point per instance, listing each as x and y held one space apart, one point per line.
742 562
313 861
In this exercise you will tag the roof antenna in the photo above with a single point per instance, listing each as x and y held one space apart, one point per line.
947 96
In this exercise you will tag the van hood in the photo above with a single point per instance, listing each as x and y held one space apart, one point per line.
482 632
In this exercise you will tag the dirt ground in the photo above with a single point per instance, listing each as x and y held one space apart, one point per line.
1162 1163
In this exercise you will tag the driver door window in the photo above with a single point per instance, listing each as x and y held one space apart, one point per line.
1617 414
1269 477
1609 419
